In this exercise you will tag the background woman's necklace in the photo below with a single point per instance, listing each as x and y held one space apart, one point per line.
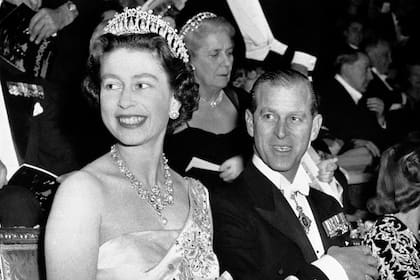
213 103
159 199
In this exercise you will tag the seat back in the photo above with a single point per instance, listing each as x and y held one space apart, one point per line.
19 254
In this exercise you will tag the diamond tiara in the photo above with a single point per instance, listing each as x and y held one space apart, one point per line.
194 22
137 21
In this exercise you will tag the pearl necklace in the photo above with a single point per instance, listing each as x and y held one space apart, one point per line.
213 103
157 198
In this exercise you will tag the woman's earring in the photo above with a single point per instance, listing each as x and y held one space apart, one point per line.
193 67
173 115
174 109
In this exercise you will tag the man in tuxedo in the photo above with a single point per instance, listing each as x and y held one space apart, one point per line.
30 133
380 55
69 25
33 117
350 115
270 224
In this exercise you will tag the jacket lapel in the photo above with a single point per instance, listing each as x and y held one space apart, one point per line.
318 219
323 210
271 205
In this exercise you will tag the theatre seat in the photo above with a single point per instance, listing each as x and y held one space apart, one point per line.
19 254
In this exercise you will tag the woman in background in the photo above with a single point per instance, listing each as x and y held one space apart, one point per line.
127 215
394 238
213 146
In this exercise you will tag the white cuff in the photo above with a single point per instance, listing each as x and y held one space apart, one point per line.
331 267
304 59
278 47
256 53
260 52
404 98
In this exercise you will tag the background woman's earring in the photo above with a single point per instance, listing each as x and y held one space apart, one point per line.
173 115
193 67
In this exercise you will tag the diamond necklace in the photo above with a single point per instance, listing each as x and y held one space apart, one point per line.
157 198
213 103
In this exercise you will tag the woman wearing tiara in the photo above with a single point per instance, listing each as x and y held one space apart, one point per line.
216 134
127 215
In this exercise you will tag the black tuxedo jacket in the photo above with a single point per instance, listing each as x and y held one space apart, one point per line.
38 139
257 234
398 121
71 46
347 120
377 88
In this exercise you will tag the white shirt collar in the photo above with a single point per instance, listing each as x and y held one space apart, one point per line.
300 183
383 78
354 47
354 93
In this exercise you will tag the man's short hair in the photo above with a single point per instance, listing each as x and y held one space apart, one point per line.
348 57
373 42
285 78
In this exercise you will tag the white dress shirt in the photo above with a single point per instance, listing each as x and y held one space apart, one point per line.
354 93
326 263
257 34
383 78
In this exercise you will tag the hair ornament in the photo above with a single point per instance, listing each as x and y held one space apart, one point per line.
137 21
194 22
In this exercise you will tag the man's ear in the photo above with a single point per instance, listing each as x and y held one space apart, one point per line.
345 69
249 119
316 126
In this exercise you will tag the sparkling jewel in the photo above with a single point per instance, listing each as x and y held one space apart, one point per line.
213 103
303 219
137 21
158 198
194 22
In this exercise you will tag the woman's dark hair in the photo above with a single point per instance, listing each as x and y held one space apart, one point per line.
398 186
180 74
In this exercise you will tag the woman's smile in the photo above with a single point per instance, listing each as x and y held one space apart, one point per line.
131 121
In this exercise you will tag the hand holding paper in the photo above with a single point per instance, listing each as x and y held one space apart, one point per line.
202 164
231 168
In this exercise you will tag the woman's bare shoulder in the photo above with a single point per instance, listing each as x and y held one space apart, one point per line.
87 182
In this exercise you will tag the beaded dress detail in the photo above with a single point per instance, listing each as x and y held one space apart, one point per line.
165 254
396 248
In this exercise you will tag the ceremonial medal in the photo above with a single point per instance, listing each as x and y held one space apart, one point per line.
303 219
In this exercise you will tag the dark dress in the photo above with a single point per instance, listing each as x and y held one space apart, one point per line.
191 142
396 248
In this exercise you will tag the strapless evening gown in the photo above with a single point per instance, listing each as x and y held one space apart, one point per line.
165 254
